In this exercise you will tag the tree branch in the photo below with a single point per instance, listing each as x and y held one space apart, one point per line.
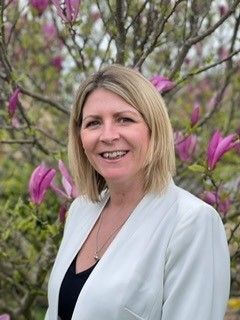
44 100
200 37
193 40
157 32
121 36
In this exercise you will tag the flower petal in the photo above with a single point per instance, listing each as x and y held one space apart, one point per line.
13 102
39 182
195 113
5 316
223 146
212 145
161 83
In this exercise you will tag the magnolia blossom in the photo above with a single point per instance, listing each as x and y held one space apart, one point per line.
49 31
161 83
5 316
40 181
67 9
57 62
95 15
62 214
185 146
195 114
217 147
223 9
39 5
13 102
223 53
223 204
70 190
15 122
237 147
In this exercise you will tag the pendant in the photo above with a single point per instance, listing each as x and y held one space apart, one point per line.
96 257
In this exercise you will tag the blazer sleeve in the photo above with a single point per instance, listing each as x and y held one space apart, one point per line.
197 270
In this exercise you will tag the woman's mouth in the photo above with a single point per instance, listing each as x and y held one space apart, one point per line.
112 155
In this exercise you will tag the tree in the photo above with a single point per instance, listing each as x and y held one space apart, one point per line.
189 49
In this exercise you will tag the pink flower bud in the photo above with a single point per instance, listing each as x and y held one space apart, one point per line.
67 180
15 122
223 9
162 84
213 198
223 53
13 102
217 147
195 114
57 62
49 31
185 146
62 213
67 9
95 15
5 316
70 190
40 181
39 5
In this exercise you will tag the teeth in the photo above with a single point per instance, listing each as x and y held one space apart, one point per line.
113 154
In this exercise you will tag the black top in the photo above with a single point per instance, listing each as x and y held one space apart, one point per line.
72 285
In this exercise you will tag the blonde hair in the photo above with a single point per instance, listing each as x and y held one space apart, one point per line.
141 94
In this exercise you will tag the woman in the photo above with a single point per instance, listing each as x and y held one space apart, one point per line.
135 245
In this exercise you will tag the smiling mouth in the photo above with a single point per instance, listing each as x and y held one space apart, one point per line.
113 154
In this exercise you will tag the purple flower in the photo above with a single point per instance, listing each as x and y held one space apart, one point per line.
162 84
13 102
62 214
237 147
95 15
5 316
223 53
217 147
67 9
39 5
185 146
67 181
15 122
57 62
213 198
40 181
223 9
195 114
49 31
69 191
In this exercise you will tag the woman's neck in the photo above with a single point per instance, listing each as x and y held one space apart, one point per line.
125 196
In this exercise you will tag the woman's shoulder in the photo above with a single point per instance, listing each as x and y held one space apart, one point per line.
192 207
82 209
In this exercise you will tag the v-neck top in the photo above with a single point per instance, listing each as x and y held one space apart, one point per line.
71 287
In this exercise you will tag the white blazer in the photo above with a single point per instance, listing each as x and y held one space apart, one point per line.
170 261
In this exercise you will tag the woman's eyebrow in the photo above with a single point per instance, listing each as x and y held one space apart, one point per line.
116 114
136 113
91 116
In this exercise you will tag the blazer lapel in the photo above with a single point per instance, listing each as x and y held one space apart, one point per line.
157 207
68 251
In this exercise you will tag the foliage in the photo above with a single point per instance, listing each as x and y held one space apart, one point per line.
193 44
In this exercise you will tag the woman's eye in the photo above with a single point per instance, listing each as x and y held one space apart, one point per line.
93 123
125 120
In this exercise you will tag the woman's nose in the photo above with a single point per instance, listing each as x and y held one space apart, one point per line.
109 133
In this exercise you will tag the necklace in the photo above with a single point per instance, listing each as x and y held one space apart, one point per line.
96 255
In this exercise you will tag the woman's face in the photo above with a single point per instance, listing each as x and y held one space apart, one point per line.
115 137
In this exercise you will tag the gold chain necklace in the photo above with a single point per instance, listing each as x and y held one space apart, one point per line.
97 250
